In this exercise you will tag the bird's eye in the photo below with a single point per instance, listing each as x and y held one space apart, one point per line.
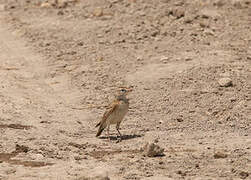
123 90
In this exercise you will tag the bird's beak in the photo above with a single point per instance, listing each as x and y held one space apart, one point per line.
129 89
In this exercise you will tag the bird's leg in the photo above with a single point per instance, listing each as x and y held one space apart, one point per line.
108 134
117 127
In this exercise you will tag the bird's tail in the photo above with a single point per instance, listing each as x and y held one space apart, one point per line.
100 130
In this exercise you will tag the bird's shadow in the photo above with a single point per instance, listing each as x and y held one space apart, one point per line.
123 137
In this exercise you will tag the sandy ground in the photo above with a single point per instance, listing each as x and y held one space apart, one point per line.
189 63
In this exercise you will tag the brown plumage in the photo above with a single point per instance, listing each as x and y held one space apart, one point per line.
115 112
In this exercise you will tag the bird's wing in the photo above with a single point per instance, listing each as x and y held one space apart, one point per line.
111 108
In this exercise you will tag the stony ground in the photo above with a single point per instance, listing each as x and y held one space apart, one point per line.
189 63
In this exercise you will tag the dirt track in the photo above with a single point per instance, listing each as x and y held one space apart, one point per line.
61 63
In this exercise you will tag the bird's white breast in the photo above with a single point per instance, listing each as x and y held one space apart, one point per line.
119 113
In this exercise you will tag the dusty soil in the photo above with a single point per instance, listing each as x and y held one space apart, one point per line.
62 61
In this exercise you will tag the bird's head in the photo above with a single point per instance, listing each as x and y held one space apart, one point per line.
122 92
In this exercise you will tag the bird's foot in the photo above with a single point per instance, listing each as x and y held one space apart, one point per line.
119 139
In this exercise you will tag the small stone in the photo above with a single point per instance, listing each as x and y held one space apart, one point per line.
219 155
225 82
219 3
188 19
236 3
12 7
204 24
181 173
93 178
22 148
46 5
207 13
209 32
157 178
156 140
139 58
164 58
244 174
10 171
78 158
178 12
98 173
153 150
188 59
62 3
60 13
160 122
98 12
180 120
37 157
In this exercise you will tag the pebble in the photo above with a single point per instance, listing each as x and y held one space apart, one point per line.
98 12
152 150
46 5
244 174
37 157
189 19
157 178
209 32
99 176
219 3
225 82
204 24
219 155
236 3
178 12
207 13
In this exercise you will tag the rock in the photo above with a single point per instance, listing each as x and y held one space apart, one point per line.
139 58
98 173
219 155
208 32
46 5
181 173
164 59
157 178
189 19
37 157
204 24
62 3
179 119
98 12
225 82
93 178
188 59
178 12
207 13
219 3
10 171
243 174
236 3
21 148
60 13
152 150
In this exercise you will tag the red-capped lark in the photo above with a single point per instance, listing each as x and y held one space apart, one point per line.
115 112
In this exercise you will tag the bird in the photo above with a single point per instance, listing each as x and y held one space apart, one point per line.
115 112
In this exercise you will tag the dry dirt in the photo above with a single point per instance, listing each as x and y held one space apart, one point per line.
60 63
